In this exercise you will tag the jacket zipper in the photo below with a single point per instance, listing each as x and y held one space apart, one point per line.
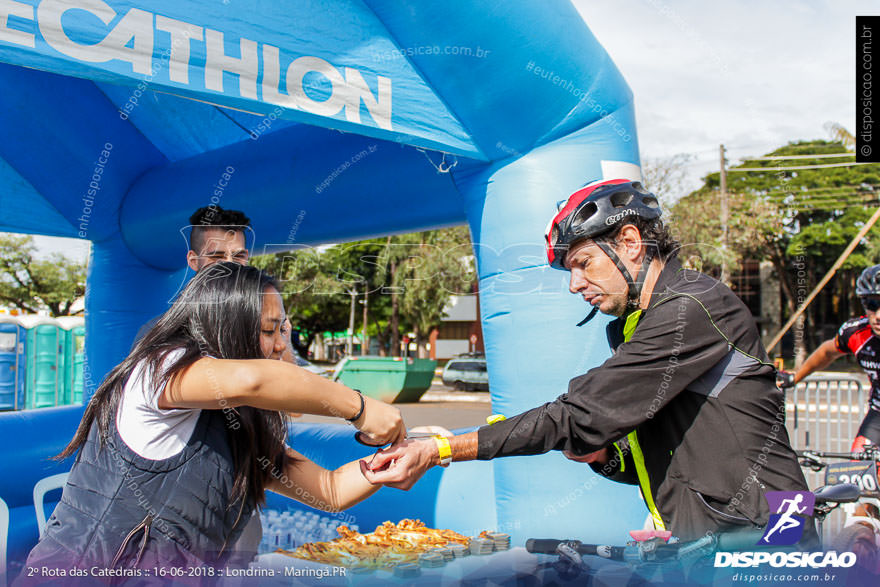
145 526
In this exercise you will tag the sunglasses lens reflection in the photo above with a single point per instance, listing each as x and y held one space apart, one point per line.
871 304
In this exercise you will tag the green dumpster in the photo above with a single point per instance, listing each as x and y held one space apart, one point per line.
390 379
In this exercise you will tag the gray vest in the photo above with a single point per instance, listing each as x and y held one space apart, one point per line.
120 510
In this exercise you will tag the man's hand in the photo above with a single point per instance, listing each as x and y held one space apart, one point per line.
403 464
785 379
600 456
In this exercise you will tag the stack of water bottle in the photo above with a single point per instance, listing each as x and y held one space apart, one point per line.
292 528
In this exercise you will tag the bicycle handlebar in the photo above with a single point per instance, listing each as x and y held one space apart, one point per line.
867 455
550 546
732 541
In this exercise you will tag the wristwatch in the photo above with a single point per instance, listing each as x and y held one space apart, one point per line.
444 450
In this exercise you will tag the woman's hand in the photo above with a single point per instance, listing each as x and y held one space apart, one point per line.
380 423
403 464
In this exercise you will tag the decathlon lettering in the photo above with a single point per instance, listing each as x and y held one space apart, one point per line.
129 39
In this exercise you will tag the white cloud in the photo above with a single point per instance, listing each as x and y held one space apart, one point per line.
752 75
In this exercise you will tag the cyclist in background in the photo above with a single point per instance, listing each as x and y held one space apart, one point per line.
861 337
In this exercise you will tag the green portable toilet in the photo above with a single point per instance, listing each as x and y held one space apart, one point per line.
43 381
74 355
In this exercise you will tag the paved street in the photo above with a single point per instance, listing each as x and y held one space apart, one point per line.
440 406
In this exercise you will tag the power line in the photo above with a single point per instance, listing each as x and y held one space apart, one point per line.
796 167
866 189
820 192
825 198
778 157
811 193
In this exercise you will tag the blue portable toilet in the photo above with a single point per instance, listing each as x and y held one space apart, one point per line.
12 363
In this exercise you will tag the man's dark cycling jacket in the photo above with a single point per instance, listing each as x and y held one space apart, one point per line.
695 386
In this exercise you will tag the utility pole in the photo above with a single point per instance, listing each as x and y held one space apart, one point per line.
349 347
725 217
364 342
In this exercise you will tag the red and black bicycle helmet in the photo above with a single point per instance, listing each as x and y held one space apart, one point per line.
595 210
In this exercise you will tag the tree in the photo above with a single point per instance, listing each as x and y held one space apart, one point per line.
839 133
798 219
310 292
666 177
439 268
32 284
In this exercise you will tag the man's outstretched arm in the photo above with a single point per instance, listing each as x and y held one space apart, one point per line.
403 464
674 345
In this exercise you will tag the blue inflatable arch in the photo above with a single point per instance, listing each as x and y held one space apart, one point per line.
326 122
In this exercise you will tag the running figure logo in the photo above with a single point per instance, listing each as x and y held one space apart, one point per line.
786 525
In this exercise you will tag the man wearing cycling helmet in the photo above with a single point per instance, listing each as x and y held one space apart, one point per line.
686 407
861 337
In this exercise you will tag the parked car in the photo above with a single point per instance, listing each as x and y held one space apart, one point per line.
467 373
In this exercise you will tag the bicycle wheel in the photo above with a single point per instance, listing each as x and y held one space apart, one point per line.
860 540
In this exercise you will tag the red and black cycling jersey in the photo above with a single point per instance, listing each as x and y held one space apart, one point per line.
856 337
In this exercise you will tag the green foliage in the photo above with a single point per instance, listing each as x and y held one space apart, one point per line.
435 270
32 284
796 218
825 241
406 279
311 294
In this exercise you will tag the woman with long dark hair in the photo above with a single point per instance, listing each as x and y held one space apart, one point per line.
182 439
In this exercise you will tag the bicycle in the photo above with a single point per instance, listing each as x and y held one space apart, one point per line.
651 549
861 532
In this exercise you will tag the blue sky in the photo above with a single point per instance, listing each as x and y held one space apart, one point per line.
752 75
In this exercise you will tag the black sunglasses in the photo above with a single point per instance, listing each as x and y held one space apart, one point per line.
870 304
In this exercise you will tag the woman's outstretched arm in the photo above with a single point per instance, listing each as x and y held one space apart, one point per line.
320 488
214 384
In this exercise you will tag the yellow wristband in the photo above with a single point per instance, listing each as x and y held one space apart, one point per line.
444 450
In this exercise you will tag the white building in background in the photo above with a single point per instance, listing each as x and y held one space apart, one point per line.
460 331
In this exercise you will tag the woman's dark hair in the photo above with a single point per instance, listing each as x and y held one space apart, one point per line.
653 232
217 315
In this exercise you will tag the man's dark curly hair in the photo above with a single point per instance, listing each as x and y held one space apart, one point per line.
653 232
214 217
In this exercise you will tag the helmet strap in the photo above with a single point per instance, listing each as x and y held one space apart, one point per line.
634 286
609 250
590 316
